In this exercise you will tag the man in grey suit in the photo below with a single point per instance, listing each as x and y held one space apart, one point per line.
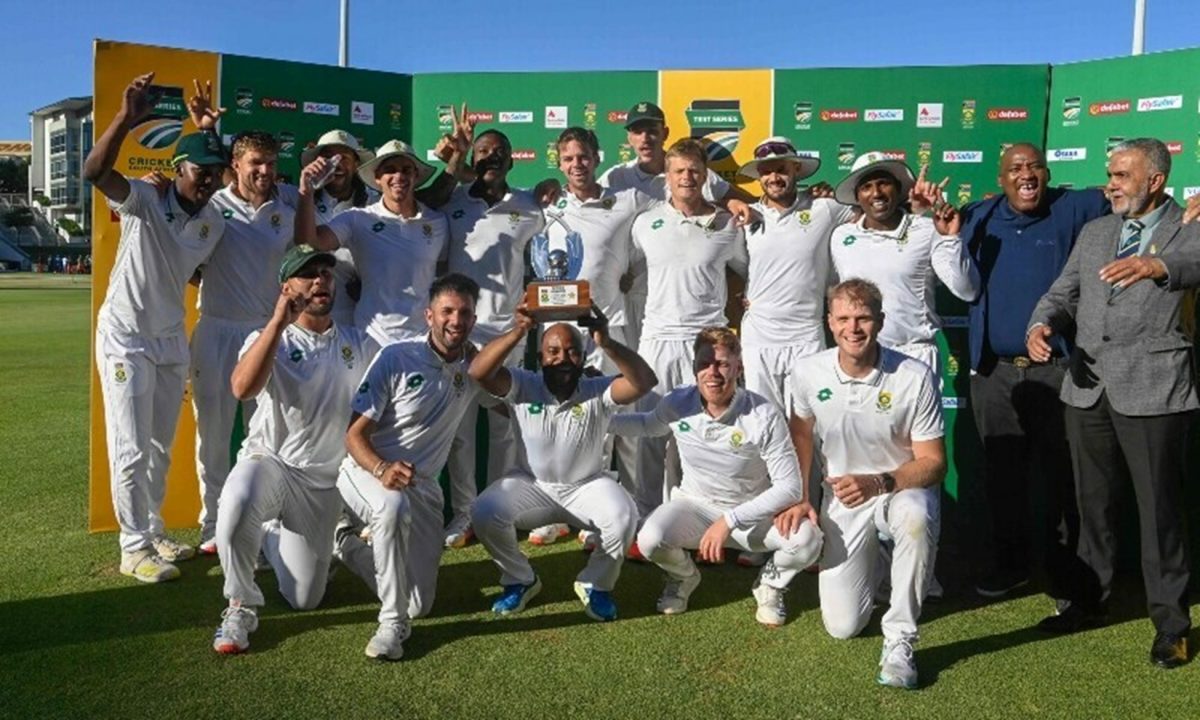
1130 390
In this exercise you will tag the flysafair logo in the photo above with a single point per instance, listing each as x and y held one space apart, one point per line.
718 124
163 126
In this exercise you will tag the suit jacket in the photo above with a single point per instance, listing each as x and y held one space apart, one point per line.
1136 345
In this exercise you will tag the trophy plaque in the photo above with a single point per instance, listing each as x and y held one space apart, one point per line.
558 294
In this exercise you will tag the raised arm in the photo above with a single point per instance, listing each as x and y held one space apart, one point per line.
637 377
136 103
306 230
253 369
487 368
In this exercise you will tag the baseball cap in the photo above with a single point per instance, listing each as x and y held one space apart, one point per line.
644 110
298 256
200 148
867 163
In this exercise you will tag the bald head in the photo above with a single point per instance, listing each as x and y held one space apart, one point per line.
1024 177
562 342
1024 148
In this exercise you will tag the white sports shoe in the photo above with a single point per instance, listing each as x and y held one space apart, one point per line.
675 594
589 539
146 566
233 634
897 667
548 534
771 610
459 532
172 550
388 641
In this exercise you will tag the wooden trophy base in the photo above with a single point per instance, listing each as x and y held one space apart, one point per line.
555 300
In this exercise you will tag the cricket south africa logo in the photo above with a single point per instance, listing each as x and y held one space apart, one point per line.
718 124
163 126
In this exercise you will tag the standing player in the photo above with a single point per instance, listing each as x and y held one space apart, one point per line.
878 415
563 418
686 246
739 473
406 411
490 226
902 253
303 369
141 346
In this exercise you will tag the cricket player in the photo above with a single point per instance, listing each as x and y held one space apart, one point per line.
491 224
878 416
564 418
902 253
686 246
303 369
406 411
141 345
739 473
395 243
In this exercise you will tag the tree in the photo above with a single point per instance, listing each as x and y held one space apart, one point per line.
14 176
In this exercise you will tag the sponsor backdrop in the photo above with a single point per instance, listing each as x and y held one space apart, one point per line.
1094 105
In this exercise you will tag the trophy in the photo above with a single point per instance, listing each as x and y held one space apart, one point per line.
558 295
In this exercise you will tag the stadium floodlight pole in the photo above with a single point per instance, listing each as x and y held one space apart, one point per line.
1139 27
344 35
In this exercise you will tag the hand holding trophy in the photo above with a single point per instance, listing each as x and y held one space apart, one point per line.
558 294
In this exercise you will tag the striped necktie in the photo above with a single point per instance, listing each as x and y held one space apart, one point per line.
1128 246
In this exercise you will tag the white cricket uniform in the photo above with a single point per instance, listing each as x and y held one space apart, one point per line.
564 442
239 288
396 258
327 208
904 264
740 466
789 272
287 468
629 175
417 401
141 349
867 426
487 244
685 260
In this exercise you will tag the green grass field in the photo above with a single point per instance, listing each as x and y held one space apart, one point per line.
79 640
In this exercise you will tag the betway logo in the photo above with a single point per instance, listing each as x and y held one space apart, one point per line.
1067 154
1007 114
885 115
1110 107
1165 102
481 116
962 156
839 115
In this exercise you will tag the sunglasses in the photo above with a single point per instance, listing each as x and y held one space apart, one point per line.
773 148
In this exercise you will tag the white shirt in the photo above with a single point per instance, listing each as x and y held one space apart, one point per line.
903 263
868 425
629 175
417 400
789 272
160 248
743 461
240 282
685 260
603 225
397 260
304 408
327 208
487 244
564 442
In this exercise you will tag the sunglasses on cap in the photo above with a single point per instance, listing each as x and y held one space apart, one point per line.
773 148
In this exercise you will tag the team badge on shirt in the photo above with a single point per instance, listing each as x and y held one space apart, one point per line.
276 222
804 216
577 411
608 203
514 218
415 381
884 402
348 356
297 355
824 394
204 231
458 382
427 230
736 439
377 226
119 373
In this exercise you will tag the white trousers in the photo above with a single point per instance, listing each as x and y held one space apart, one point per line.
851 569
261 488
677 526
215 347
635 312
926 353
401 564
658 468
516 501
141 382
768 371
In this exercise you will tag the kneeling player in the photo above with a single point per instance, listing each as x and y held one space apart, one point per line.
303 369
879 417
563 419
739 473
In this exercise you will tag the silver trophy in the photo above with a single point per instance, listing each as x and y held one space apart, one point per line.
558 294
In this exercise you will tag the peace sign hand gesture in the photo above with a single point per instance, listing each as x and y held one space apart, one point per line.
200 106
925 195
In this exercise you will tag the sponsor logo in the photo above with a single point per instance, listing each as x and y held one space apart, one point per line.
321 108
684 426
589 115
838 115
1110 107
962 156
954 321
846 154
244 99
524 155
618 117
536 408
954 403
481 116
1066 154
516 116
885 115
163 126
815 154
718 124
396 116
556 116
803 113
656 224
445 116
362 113
1008 114
1190 192
968 114
415 381
1070 111
895 155
296 355
279 104
824 394
1175 147
849 240
929 115
287 143
1163 102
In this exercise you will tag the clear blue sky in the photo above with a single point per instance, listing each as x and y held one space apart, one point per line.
48 43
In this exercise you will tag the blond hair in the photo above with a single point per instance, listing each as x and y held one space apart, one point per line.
857 291
688 148
716 337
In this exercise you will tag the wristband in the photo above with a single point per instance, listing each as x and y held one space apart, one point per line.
380 467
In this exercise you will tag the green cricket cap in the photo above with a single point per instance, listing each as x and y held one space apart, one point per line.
644 110
299 256
200 148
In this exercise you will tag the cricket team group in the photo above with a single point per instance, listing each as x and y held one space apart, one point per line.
365 319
